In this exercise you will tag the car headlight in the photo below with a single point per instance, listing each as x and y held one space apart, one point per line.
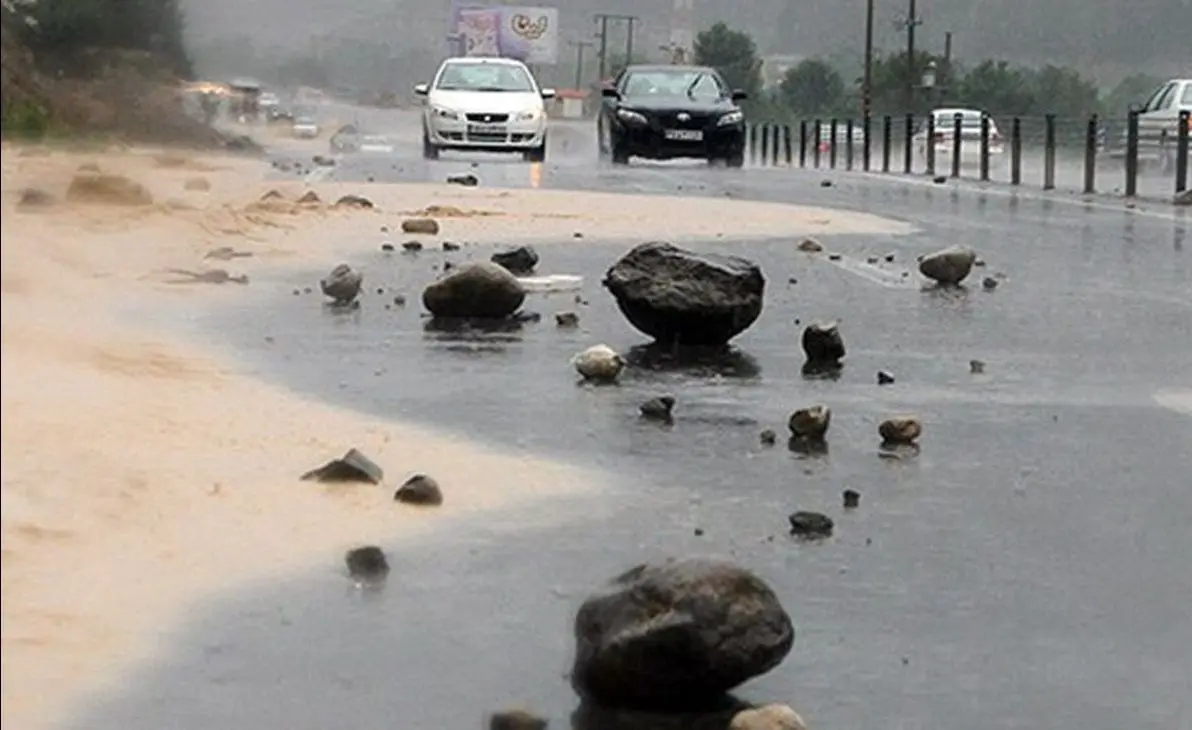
528 116
631 117
444 113
734 117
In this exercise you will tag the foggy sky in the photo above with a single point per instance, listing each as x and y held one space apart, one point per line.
1106 39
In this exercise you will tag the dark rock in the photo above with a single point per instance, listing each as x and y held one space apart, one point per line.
872 260
519 261
939 179
949 266
467 179
825 183
768 437
34 198
889 258
976 367
516 720
351 467
852 498
354 201
682 297
810 424
884 378
477 290
677 635
834 257
342 285
810 245
367 563
900 431
399 300
424 226
659 409
323 161
811 524
450 246
411 246
566 319
822 342
420 490
386 246
989 283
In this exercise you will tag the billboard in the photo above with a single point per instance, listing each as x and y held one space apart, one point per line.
530 34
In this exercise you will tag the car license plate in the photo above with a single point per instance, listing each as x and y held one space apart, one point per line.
486 129
684 135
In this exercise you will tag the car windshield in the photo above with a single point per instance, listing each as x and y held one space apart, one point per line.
484 77
967 118
690 83
1186 97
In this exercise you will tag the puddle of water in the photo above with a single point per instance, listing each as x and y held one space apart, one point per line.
1025 569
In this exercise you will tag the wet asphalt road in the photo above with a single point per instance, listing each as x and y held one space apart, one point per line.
1026 569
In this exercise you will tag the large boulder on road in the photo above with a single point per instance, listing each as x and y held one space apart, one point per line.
949 266
677 635
475 291
682 297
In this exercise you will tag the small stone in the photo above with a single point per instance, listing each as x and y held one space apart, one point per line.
825 183
833 257
352 467
767 717
420 490
658 409
516 720
367 563
423 226
577 234
976 367
399 300
412 246
792 281
768 437
852 499
810 424
387 247
450 246
467 180
810 245
872 260
899 431
884 378
889 258
989 283
599 363
811 524
699 531
822 342
939 179
566 319
354 201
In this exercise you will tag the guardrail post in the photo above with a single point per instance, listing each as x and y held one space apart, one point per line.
848 145
909 142
929 148
1016 151
815 151
774 147
1132 154
1090 156
1049 152
786 144
866 142
803 143
957 139
984 148
765 145
752 143
887 133
834 133
1181 154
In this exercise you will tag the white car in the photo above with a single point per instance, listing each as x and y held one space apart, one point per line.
305 128
1159 123
944 121
486 105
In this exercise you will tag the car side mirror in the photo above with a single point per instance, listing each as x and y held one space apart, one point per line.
548 93
739 95
609 92
421 89
1136 107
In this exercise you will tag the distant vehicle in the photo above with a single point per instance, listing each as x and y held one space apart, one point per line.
345 139
944 121
486 105
672 111
842 136
375 144
306 128
269 100
1158 124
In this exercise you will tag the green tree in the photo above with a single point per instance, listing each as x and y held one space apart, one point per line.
1065 93
998 88
812 87
732 53
893 76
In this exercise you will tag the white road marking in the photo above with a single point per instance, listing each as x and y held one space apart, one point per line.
1176 399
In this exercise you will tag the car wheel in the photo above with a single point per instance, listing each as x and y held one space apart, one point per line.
618 151
537 154
429 151
736 159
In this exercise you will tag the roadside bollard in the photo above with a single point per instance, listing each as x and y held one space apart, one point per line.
909 142
1181 153
776 134
984 147
887 133
786 144
848 145
866 142
1090 156
818 139
1132 154
803 143
1016 151
957 139
752 144
765 132
833 132
929 145
1049 152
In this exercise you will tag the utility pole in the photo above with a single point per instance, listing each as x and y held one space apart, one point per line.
912 21
947 59
602 19
579 61
867 80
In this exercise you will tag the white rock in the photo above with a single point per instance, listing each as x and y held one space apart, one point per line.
599 363
768 717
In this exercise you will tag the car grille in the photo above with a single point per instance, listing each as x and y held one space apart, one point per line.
488 118
671 120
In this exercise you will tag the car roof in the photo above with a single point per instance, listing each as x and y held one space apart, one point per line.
956 110
668 67
494 60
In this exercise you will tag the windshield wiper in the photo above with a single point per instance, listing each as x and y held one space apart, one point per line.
694 82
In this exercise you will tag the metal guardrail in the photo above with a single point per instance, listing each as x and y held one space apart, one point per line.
873 145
